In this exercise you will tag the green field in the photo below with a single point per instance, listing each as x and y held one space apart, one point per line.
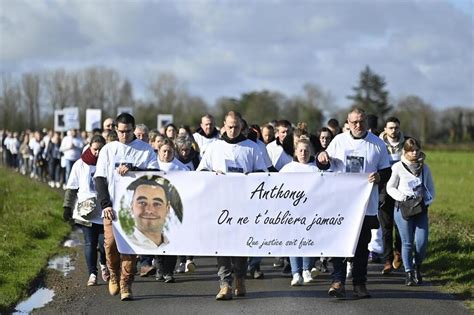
450 259
31 229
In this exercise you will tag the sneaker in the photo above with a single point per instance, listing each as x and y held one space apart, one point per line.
297 280
51 184
181 268
58 185
349 270
169 279
159 275
254 273
190 266
387 268
337 290
224 294
314 273
307 278
146 270
105 273
114 288
92 280
360 291
397 260
240 289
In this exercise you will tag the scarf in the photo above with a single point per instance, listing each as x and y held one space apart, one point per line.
88 157
210 136
238 139
414 167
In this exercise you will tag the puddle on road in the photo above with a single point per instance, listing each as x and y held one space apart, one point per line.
62 264
43 296
39 299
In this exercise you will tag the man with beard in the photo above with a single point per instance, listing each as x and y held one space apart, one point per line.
232 153
363 148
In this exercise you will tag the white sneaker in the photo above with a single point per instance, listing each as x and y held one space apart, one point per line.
92 280
297 280
307 276
51 184
314 272
58 185
181 268
190 266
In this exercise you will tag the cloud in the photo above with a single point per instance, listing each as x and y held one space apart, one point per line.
224 48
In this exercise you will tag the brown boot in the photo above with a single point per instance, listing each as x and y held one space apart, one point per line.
114 288
126 292
397 260
240 287
224 294
387 268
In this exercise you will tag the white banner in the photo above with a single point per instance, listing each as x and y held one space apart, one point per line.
93 119
260 214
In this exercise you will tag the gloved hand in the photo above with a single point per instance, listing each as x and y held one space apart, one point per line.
67 214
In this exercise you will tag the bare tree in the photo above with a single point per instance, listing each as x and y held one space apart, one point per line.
59 88
31 93
165 91
10 102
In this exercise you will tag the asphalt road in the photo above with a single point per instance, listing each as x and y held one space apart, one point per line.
195 293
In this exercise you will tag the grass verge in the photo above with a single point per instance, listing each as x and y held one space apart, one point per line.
31 229
450 260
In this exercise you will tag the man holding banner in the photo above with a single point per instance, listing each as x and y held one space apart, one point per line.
232 153
372 158
116 159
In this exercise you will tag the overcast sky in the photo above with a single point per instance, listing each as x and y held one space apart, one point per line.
225 48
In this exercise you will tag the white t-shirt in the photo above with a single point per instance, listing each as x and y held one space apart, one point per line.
203 142
263 149
136 154
82 178
71 147
174 165
242 157
277 155
297 167
367 155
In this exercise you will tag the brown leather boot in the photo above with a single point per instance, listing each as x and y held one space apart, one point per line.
240 287
224 294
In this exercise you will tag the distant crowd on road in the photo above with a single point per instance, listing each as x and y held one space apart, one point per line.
394 231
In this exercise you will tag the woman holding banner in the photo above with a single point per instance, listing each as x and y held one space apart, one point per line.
411 185
302 267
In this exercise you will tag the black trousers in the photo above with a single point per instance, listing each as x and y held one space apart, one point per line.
387 223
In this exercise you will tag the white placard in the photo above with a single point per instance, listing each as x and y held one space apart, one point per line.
66 119
93 119
260 214
163 120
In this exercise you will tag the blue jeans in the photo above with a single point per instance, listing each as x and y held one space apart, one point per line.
298 264
93 238
254 263
413 229
359 262
69 165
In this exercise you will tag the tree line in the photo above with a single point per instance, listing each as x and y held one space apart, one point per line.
28 101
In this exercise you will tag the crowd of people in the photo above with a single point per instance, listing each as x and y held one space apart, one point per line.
84 164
